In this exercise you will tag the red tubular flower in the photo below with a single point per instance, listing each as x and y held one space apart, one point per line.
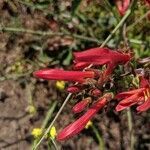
122 6
81 105
139 96
56 74
75 127
100 56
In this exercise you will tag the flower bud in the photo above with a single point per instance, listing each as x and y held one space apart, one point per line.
81 105
74 89
96 92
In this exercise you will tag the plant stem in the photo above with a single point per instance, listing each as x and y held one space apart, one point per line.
47 33
54 143
52 123
130 127
99 138
43 33
117 27
15 76
135 41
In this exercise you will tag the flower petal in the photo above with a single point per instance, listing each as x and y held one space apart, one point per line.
120 107
129 93
145 106
80 65
57 74
129 100
144 82
108 71
92 56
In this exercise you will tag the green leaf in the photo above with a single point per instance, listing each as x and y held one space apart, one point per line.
75 5
44 58
68 59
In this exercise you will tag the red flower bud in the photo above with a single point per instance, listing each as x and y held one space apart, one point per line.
73 89
96 93
81 105
122 6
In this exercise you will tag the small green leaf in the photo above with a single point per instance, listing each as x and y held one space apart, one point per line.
68 58
75 5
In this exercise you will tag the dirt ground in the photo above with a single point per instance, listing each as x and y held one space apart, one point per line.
20 55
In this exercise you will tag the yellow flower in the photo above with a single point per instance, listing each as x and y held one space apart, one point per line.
53 132
88 124
60 85
36 132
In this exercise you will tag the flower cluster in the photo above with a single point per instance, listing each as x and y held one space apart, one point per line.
77 126
37 132
88 82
